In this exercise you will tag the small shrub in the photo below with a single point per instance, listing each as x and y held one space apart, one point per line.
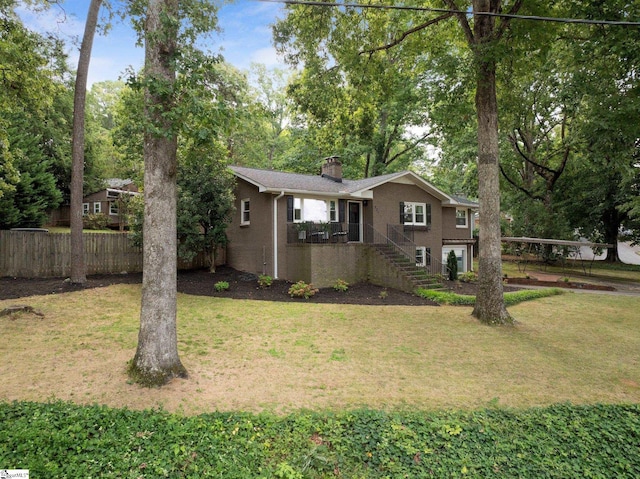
341 285
452 265
221 286
302 290
468 277
383 294
97 221
264 281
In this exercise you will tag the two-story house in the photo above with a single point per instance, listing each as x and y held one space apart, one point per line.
322 228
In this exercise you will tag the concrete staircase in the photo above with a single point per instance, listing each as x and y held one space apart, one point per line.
417 276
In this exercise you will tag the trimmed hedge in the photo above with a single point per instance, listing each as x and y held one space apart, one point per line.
59 440
511 298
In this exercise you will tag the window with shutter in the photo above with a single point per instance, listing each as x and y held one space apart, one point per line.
416 214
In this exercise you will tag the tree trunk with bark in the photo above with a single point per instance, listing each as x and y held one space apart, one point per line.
489 307
78 267
156 360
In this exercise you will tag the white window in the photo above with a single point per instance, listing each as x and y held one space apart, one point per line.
423 256
461 218
333 211
309 209
113 208
97 207
245 212
415 213
85 208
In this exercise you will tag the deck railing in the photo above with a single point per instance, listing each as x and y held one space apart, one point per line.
310 232
318 232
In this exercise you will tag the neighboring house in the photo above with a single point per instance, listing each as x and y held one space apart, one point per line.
110 201
322 228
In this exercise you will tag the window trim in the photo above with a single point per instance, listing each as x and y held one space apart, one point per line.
114 208
297 209
97 207
245 208
333 211
466 217
426 256
85 209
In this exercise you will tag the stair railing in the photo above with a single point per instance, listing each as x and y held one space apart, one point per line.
400 244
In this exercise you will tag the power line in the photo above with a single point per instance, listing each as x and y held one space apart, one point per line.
535 18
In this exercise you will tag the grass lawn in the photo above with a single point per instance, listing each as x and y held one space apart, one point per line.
282 357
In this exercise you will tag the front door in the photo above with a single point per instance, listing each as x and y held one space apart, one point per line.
355 220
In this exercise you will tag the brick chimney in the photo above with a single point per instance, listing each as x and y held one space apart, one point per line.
332 169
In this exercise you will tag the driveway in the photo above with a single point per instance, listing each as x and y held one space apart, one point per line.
628 254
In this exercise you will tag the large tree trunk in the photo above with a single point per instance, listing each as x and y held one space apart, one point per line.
156 361
612 223
489 306
78 268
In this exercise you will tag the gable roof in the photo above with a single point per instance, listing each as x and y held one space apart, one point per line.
464 201
269 181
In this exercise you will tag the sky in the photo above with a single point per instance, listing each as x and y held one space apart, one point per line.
245 36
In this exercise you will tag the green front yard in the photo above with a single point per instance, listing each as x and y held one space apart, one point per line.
325 390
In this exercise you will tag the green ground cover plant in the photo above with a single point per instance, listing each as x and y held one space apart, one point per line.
61 439
510 298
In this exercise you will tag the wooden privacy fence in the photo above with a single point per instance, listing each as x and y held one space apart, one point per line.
26 254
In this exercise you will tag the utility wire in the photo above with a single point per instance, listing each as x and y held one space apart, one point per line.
535 18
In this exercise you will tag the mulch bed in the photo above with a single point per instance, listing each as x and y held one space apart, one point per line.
201 282
245 286
559 284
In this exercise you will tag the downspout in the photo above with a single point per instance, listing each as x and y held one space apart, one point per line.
275 234
472 217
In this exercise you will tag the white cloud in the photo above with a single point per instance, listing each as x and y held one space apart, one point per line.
267 56
54 20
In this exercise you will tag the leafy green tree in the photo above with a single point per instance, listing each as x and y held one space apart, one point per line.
128 132
33 140
603 186
205 204
361 101
260 132
539 109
